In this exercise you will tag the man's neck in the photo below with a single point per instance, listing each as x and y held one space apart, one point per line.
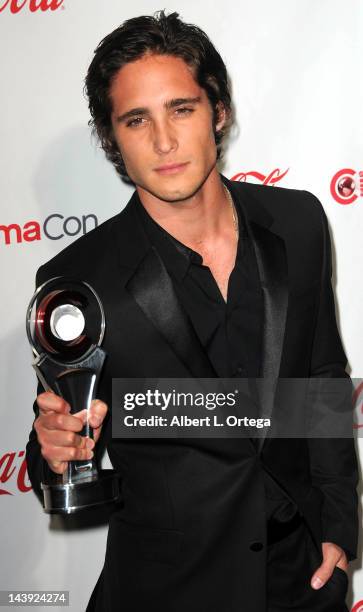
203 219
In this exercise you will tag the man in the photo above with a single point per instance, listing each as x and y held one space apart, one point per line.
202 277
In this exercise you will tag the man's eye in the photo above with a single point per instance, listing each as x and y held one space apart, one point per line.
184 110
134 122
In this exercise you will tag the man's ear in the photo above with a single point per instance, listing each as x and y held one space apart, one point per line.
221 116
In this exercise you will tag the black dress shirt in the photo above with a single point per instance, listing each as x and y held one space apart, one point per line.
230 331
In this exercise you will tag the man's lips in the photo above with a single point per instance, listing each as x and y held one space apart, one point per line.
171 168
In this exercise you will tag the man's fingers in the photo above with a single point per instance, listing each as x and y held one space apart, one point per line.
58 466
50 402
58 430
331 555
68 438
321 576
97 413
59 447
59 421
55 454
343 565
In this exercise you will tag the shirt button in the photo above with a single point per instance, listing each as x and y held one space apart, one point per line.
256 546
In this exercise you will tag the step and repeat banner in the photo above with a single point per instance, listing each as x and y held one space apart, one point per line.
295 68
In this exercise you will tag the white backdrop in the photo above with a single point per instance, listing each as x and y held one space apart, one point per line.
295 67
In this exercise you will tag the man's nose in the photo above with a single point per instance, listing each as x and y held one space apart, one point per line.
164 137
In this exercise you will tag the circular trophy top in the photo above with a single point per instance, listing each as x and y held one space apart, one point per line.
65 319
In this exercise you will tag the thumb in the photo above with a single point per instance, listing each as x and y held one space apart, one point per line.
97 413
322 574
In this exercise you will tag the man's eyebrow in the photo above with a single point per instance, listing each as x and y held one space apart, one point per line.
168 105
180 101
132 113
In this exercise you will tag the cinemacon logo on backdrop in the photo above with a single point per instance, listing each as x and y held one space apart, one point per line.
15 6
347 185
54 227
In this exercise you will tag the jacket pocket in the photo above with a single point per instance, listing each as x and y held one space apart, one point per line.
338 583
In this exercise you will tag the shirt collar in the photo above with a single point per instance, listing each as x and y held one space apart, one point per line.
178 257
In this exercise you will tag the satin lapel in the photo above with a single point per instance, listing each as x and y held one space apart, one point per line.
272 266
153 290
144 276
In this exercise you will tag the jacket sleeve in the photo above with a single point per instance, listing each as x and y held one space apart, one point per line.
333 461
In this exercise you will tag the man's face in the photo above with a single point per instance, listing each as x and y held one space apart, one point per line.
163 125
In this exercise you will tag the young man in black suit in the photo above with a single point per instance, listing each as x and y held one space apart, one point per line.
203 277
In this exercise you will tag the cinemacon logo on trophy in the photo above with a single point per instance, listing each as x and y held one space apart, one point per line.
15 6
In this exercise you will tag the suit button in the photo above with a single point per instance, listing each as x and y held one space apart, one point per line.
256 546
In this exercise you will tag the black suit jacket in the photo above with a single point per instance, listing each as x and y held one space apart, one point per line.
191 533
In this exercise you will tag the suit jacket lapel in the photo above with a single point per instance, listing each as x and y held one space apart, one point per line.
272 265
146 279
152 289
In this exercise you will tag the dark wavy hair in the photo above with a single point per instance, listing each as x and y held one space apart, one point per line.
163 35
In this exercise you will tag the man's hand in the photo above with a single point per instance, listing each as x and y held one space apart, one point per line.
57 430
333 555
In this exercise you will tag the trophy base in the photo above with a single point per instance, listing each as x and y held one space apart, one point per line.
69 498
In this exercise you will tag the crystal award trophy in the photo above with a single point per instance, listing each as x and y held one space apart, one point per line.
65 325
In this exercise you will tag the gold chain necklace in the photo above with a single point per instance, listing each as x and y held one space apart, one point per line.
230 200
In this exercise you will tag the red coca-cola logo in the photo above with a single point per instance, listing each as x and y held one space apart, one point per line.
13 473
346 186
15 6
266 179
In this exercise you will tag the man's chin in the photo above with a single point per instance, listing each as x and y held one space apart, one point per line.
177 196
